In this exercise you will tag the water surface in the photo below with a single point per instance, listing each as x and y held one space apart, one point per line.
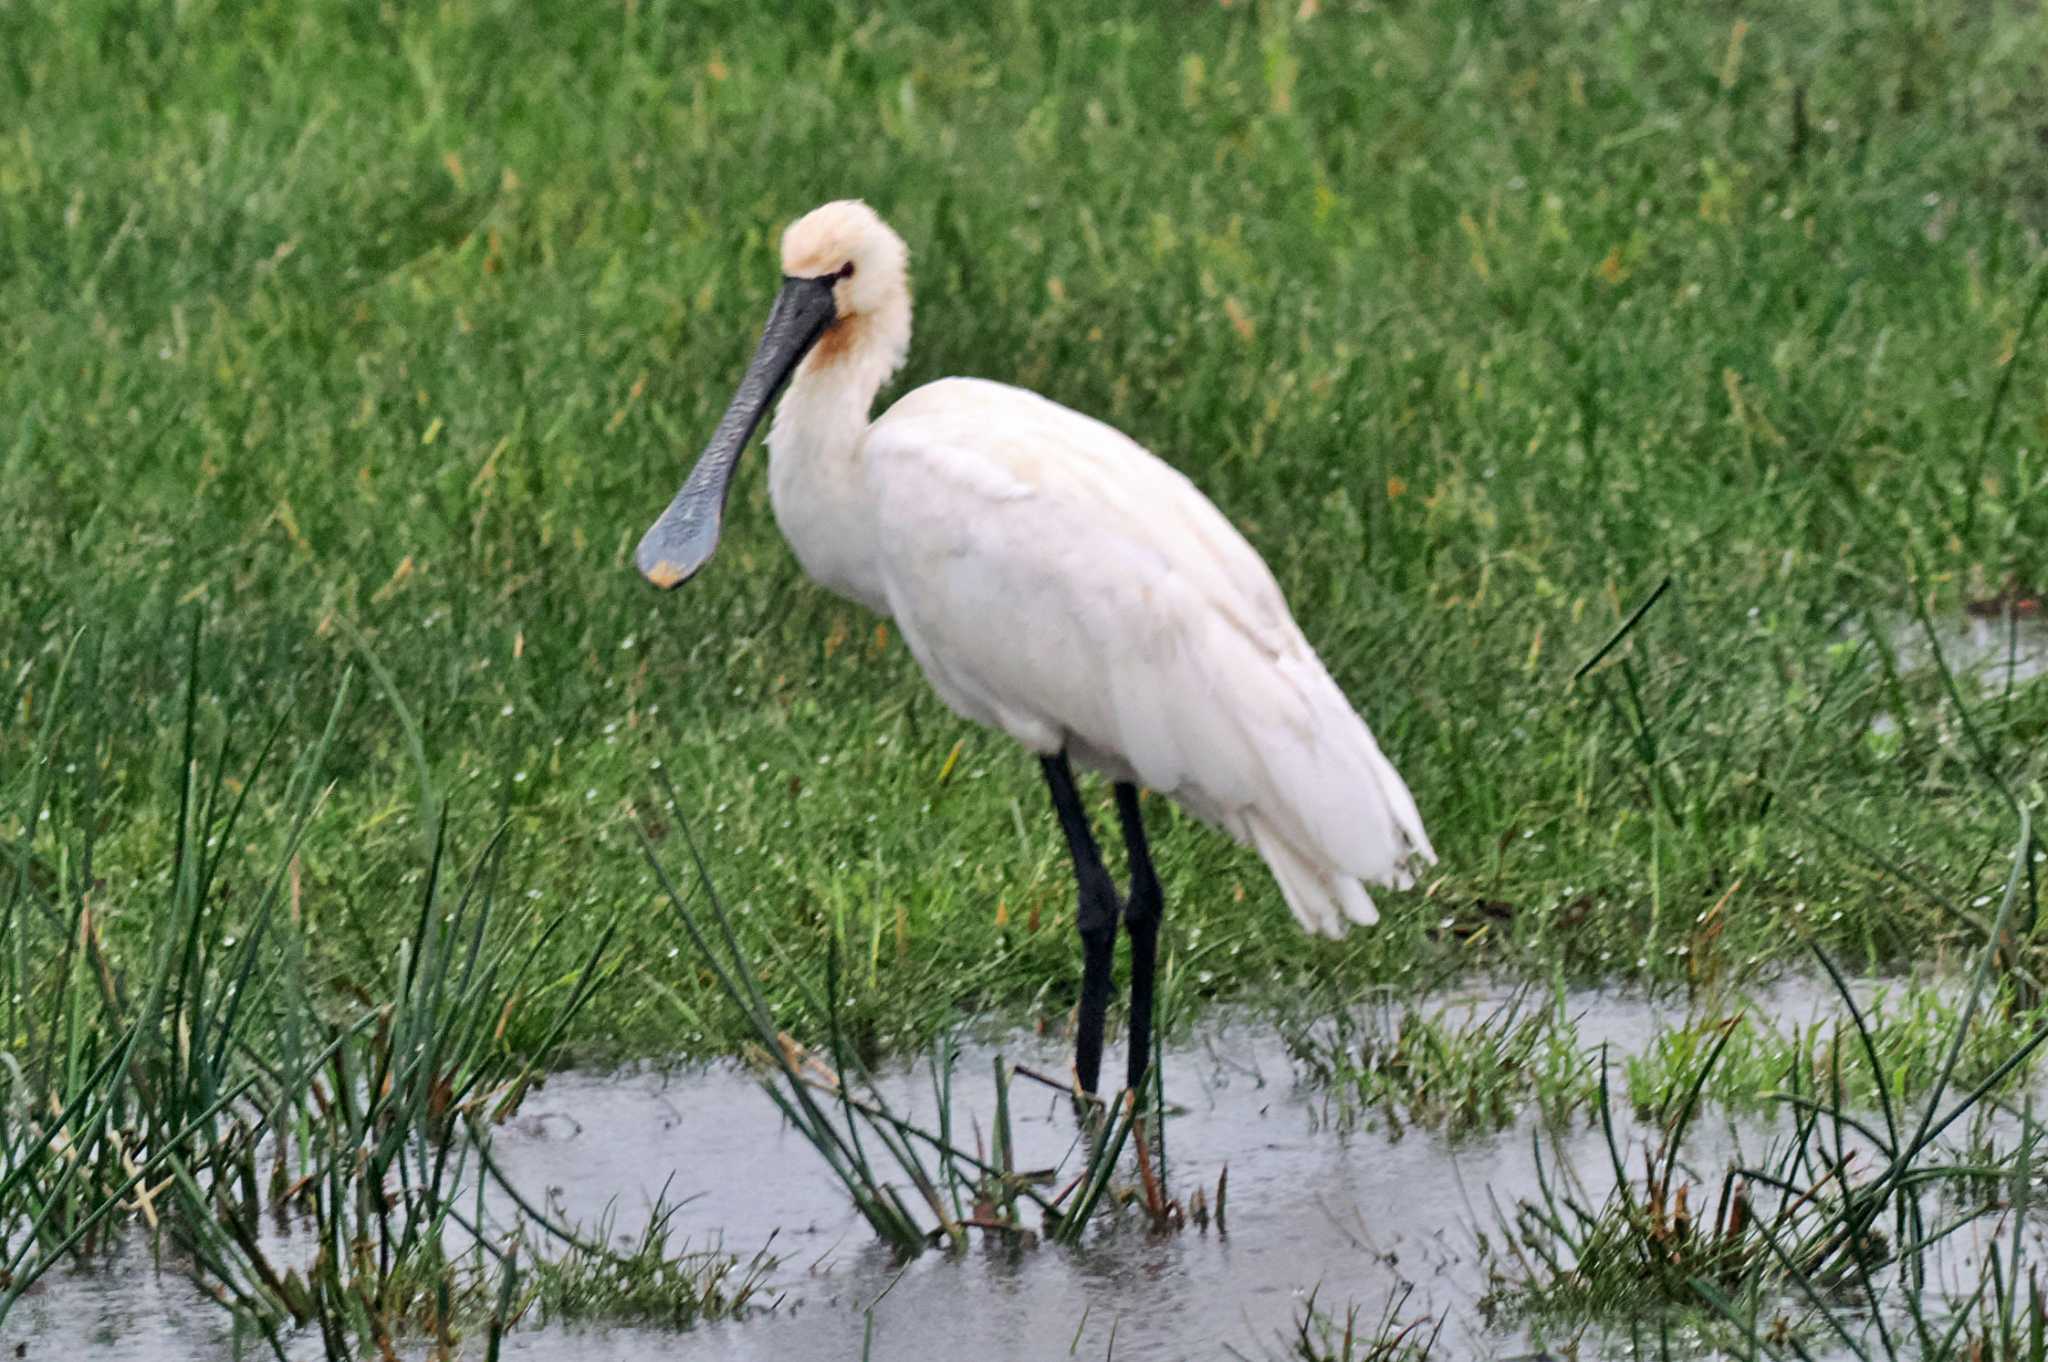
1351 1215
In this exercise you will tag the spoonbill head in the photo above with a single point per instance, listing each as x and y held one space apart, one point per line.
1058 582
843 310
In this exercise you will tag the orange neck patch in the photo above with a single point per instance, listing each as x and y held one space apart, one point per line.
838 341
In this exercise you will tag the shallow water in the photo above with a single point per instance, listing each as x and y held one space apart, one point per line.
1995 650
1354 1216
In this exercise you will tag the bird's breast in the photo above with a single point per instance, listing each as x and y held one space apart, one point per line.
827 516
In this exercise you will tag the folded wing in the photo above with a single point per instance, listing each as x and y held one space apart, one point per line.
1056 580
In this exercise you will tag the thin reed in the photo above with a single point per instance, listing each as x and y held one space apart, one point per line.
319 1164
909 1182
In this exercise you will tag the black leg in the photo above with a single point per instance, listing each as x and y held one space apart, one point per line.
1142 912
1096 918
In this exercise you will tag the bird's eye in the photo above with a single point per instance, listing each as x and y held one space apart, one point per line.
845 271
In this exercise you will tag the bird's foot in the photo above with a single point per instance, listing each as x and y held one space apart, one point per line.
1089 1109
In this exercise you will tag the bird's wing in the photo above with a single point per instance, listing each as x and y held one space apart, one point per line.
1055 579
1000 439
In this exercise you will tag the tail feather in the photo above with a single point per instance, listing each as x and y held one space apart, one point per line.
1406 817
1324 902
1341 816
1333 793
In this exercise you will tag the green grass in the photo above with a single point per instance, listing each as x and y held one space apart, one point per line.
1483 1067
381 332
1855 1233
212 1080
1392 1337
1476 1068
365 340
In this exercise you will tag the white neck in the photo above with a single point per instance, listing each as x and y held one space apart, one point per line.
816 480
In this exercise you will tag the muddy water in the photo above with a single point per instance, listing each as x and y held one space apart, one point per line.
1356 1217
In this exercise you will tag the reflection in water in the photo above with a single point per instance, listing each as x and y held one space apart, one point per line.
1354 1216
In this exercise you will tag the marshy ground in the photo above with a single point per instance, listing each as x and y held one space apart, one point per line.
345 350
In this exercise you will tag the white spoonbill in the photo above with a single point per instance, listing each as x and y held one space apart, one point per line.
1058 582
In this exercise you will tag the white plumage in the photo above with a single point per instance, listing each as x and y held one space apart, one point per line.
1056 581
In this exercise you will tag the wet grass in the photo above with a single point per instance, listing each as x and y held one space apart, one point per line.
402 323
1481 1066
1476 1068
1901 1048
1392 1336
652 1279
316 1158
1625 395
922 1186
1834 1240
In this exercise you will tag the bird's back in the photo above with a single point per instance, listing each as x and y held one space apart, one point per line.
1056 580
